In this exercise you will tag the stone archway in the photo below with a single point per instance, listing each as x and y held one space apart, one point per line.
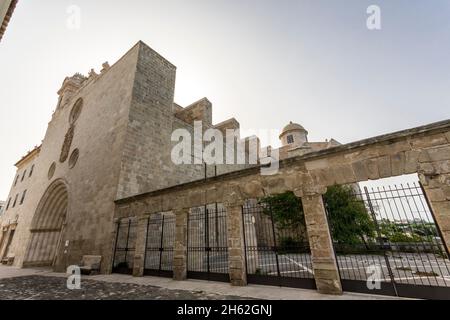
47 226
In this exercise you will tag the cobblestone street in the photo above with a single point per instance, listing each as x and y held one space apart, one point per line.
51 288
42 283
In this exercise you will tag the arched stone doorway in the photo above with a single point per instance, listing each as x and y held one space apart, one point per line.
47 226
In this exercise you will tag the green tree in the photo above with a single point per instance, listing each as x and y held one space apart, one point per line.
350 221
287 212
398 232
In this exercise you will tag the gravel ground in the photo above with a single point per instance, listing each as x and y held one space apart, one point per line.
51 288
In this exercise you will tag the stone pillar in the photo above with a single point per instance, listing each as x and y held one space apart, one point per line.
434 174
236 249
324 263
139 251
180 248
437 191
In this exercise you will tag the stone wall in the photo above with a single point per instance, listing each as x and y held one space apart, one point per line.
92 183
424 150
123 138
198 111
146 157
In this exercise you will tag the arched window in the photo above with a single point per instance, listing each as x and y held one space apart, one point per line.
15 200
23 197
76 110
9 202
290 139
31 171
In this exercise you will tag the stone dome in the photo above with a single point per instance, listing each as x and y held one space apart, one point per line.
293 135
292 127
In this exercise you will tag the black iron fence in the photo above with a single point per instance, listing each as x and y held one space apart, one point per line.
207 251
395 247
160 242
276 254
125 246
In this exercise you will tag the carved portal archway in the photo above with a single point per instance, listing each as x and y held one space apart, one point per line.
47 226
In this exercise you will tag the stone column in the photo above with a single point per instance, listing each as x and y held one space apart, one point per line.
139 251
437 191
325 268
434 174
236 249
180 248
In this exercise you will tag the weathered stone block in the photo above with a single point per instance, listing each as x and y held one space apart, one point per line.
291 182
233 195
442 166
441 208
326 286
384 166
317 164
394 148
253 189
236 264
327 177
431 181
360 170
444 224
424 156
275 185
439 154
362 154
447 135
444 179
411 161
428 141
344 174
446 191
237 277
427 169
196 199
328 274
436 194
398 164
372 168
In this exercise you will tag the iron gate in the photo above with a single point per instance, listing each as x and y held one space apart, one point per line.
404 256
125 246
159 245
276 254
207 251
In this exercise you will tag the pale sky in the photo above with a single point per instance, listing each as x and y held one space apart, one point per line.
263 62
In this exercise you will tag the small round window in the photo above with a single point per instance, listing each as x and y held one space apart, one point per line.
51 170
76 110
74 158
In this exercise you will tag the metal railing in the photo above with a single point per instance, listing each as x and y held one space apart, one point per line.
404 251
125 246
159 246
207 250
275 253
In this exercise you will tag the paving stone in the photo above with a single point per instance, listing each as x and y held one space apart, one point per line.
54 288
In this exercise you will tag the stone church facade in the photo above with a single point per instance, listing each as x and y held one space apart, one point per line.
105 163
108 139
